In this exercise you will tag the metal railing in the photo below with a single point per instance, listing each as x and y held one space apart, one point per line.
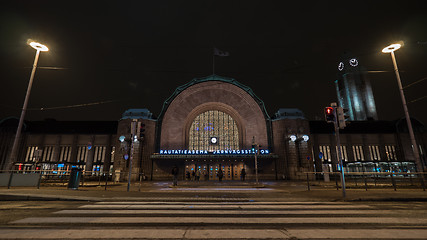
367 180
61 178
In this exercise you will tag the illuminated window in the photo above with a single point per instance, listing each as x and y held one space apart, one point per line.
65 154
358 153
374 152
81 153
343 153
99 155
48 152
31 154
326 151
390 152
213 125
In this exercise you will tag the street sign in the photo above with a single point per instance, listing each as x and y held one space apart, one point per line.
320 155
126 156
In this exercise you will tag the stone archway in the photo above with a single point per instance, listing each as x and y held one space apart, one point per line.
208 95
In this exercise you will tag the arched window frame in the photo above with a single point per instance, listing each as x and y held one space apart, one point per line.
213 123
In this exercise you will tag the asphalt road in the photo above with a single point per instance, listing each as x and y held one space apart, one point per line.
279 210
212 220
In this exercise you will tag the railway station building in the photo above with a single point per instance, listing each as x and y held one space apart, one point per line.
209 124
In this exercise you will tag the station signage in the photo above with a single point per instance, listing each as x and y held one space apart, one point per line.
217 152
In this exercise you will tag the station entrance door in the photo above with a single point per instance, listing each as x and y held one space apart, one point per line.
208 169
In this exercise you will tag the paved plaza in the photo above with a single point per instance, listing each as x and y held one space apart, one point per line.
275 210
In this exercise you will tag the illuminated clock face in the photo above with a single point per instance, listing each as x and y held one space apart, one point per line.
353 62
341 66
214 140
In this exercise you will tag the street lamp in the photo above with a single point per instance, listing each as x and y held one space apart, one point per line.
13 155
390 49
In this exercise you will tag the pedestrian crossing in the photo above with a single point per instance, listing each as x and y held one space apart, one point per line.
222 220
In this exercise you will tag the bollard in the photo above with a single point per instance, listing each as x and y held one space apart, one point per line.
83 179
40 179
106 180
308 183
99 179
422 182
392 181
10 180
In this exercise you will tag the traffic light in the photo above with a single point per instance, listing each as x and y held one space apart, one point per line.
141 130
342 117
330 114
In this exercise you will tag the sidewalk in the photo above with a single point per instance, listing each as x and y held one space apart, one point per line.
284 191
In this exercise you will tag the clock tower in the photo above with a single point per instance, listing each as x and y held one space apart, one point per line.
354 90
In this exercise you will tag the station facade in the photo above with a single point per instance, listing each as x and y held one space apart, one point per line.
209 124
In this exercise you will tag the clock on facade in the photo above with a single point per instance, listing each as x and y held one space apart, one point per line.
341 66
353 62
214 140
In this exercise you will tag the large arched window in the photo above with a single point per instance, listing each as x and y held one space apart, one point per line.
213 130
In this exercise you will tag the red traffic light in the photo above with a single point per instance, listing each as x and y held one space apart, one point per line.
330 114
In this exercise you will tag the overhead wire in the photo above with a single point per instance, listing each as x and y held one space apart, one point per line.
67 106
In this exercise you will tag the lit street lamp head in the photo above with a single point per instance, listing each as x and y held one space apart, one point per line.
391 48
39 46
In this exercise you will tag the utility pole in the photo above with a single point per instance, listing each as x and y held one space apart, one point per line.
337 135
132 136
335 115
255 148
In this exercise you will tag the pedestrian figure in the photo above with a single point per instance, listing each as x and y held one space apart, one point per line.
193 175
243 174
187 175
175 172
220 174
198 175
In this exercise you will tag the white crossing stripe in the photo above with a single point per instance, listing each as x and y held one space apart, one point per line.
221 206
222 220
214 233
223 203
231 212
240 220
358 233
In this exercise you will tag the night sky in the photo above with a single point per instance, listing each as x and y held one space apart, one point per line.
133 54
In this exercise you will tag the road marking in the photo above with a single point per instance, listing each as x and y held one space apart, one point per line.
221 220
12 233
143 234
224 203
216 189
221 206
358 233
231 212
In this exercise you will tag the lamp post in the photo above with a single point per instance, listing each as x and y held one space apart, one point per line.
390 49
255 148
13 155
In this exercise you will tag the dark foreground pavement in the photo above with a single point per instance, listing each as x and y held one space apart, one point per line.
212 210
